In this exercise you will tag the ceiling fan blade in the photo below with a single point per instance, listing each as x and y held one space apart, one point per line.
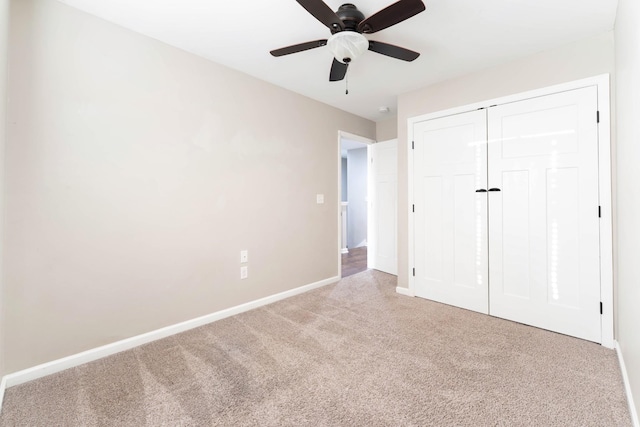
298 47
393 51
338 70
391 15
323 13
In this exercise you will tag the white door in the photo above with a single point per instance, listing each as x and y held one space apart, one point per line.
450 165
383 220
543 223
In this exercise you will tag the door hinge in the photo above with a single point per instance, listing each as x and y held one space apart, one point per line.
599 212
414 272
413 208
600 307
413 145
597 116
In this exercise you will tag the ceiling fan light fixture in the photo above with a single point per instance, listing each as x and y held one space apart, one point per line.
347 45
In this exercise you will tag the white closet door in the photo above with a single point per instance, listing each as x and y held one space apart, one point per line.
383 240
450 216
543 223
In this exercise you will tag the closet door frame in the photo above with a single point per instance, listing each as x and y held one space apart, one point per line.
601 82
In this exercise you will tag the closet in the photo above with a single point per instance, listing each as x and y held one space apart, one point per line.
506 211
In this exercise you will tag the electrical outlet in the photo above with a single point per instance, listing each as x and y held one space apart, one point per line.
319 199
244 256
244 272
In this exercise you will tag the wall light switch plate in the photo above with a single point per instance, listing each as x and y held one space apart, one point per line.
319 199
244 272
244 256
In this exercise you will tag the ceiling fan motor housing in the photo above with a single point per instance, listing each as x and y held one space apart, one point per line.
350 17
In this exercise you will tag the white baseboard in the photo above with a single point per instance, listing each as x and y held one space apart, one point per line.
129 343
3 385
627 387
404 291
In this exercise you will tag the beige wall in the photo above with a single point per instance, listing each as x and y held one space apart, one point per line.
387 129
627 35
583 59
136 173
4 33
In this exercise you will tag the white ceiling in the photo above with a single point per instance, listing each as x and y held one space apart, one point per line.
454 37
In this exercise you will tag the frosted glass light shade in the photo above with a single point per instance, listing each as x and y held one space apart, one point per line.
347 45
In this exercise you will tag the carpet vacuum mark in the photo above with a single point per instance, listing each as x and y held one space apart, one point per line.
350 354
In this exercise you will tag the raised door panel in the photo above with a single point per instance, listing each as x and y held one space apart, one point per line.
450 216
543 224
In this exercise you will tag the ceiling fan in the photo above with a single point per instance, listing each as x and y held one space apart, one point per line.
348 25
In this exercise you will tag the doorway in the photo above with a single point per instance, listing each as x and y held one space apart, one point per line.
354 210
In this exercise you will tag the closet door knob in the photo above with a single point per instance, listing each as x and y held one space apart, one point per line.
482 190
494 189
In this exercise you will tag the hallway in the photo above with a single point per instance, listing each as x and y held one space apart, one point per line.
354 261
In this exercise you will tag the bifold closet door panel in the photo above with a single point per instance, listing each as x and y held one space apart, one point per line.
450 165
543 221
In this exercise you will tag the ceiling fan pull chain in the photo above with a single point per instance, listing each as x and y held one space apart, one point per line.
346 82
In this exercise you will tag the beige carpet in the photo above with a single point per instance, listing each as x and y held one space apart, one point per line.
350 354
